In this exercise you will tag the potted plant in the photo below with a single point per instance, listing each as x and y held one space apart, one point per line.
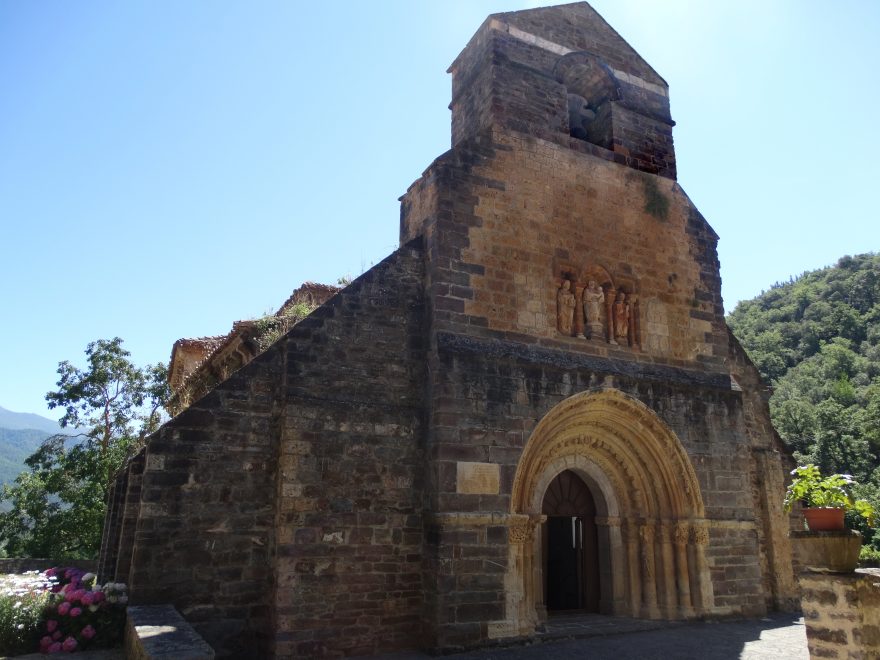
827 546
826 499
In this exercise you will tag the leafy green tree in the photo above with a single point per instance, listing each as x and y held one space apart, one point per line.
816 340
57 507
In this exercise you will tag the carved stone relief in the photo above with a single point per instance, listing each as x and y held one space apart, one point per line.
621 319
594 311
565 305
597 310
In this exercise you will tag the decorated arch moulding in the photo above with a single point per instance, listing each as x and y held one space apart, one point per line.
622 448
580 274
598 274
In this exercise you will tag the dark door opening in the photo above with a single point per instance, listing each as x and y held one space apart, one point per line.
571 566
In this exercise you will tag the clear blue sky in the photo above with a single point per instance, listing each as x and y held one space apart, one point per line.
169 167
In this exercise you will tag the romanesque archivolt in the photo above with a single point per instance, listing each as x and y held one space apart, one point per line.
590 305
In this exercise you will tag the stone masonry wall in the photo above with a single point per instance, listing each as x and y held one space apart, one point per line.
120 521
504 216
842 613
518 70
771 462
510 214
204 535
489 396
130 517
349 558
112 530
280 514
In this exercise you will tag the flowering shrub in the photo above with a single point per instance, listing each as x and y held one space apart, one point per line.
67 611
22 601
80 613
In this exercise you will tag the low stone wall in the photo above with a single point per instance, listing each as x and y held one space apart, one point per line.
158 631
842 613
22 564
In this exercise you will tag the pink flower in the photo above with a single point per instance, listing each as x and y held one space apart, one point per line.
55 648
45 643
87 598
75 612
51 625
88 632
98 596
50 572
56 635
69 644
64 608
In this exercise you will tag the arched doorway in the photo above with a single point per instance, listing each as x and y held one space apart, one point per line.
570 546
651 534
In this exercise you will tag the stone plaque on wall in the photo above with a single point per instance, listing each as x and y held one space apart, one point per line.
477 478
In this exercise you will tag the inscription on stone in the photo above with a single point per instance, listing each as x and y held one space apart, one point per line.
478 478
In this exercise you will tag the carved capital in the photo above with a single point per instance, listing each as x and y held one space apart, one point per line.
681 534
700 534
646 534
520 533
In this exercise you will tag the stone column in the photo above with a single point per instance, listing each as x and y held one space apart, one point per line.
668 569
700 538
681 536
649 573
610 295
631 540
579 311
522 599
612 576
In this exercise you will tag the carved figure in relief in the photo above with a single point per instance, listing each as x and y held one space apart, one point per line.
594 300
565 304
621 319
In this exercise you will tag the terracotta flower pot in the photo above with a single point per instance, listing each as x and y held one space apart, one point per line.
824 519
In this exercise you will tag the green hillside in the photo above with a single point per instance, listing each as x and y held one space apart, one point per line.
816 340
20 435
16 420
15 446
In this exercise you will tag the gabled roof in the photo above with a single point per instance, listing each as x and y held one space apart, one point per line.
579 27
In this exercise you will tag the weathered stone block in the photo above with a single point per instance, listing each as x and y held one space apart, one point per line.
477 478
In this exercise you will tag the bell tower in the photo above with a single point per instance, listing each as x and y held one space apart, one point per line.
563 74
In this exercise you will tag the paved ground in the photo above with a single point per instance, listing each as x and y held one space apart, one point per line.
106 654
777 636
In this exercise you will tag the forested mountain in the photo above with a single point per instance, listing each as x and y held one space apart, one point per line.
15 446
16 420
20 435
816 340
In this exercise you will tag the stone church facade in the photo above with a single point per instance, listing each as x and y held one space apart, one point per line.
533 405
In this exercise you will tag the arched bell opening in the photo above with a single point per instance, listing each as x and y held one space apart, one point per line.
644 501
